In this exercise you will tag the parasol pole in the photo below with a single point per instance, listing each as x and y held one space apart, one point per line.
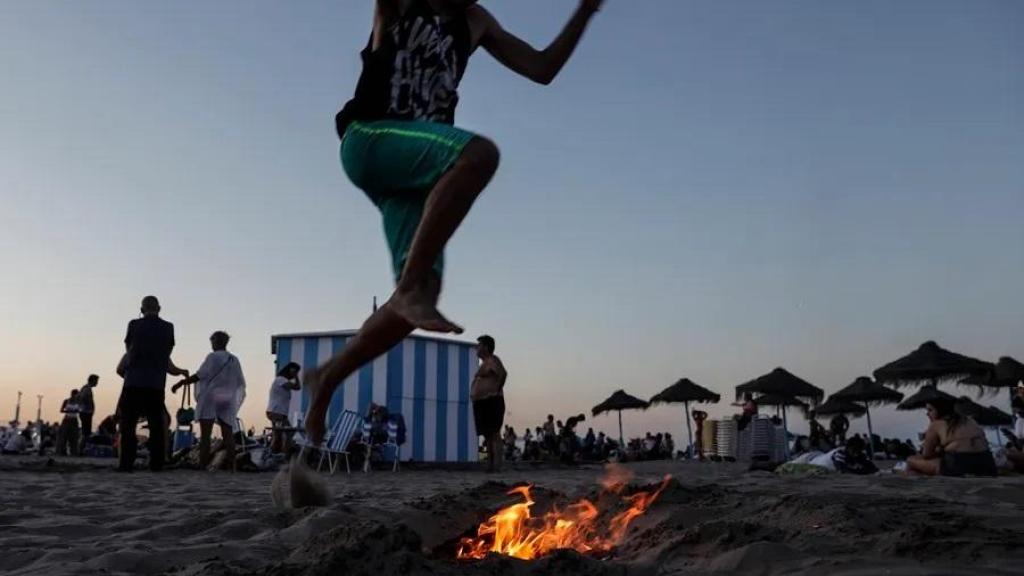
871 433
17 410
689 431
622 443
785 435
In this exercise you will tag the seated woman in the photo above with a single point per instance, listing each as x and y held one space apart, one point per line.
954 445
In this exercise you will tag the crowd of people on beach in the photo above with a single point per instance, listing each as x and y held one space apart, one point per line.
558 441
953 444
218 388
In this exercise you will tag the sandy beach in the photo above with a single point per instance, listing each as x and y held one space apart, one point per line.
74 518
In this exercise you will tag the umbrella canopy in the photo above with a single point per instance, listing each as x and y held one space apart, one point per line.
685 390
779 400
866 390
835 406
967 407
993 416
1006 374
931 363
783 383
924 395
619 401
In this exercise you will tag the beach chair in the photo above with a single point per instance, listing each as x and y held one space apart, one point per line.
367 444
337 441
392 443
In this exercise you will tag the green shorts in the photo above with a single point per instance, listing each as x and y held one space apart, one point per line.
396 163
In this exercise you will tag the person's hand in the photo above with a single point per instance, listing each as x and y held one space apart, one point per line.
591 5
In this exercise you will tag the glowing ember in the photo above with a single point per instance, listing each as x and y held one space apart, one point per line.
514 532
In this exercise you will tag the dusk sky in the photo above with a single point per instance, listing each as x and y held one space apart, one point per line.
710 189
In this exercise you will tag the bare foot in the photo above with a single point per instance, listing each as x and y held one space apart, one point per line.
417 308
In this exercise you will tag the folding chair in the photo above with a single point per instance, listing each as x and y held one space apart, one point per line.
393 442
337 441
367 444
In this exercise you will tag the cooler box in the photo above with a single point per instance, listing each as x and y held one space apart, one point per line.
183 439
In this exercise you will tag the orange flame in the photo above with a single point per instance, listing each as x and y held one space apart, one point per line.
513 531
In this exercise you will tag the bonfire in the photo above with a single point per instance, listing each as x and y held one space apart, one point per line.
581 526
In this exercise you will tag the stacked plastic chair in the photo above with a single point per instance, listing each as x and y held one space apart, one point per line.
779 446
709 438
762 438
727 438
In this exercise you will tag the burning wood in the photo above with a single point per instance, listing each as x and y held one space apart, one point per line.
513 531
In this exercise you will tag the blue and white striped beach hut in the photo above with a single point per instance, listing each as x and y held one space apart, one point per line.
425 379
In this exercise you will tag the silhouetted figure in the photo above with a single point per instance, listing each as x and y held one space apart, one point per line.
68 433
488 396
839 425
146 364
699 417
87 407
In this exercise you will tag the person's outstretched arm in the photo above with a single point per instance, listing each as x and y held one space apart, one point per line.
541 66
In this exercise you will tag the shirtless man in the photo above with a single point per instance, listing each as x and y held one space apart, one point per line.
399 145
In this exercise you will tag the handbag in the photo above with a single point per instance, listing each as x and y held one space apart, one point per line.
185 416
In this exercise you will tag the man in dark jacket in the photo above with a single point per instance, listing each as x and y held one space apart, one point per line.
147 363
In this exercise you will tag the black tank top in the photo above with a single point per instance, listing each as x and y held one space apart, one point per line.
414 74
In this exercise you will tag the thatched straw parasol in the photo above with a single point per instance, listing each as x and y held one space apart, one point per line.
618 402
834 406
782 382
780 401
685 391
1006 374
924 395
781 386
985 416
931 364
867 391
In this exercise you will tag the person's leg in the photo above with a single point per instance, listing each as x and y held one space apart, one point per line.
86 420
74 440
424 177
499 451
205 434
157 419
276 440
922 465
381 332
129 409
62 439
227 434
447 205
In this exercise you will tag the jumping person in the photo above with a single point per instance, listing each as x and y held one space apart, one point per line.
399 145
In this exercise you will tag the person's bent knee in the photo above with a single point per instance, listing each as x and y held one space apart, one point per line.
482 154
